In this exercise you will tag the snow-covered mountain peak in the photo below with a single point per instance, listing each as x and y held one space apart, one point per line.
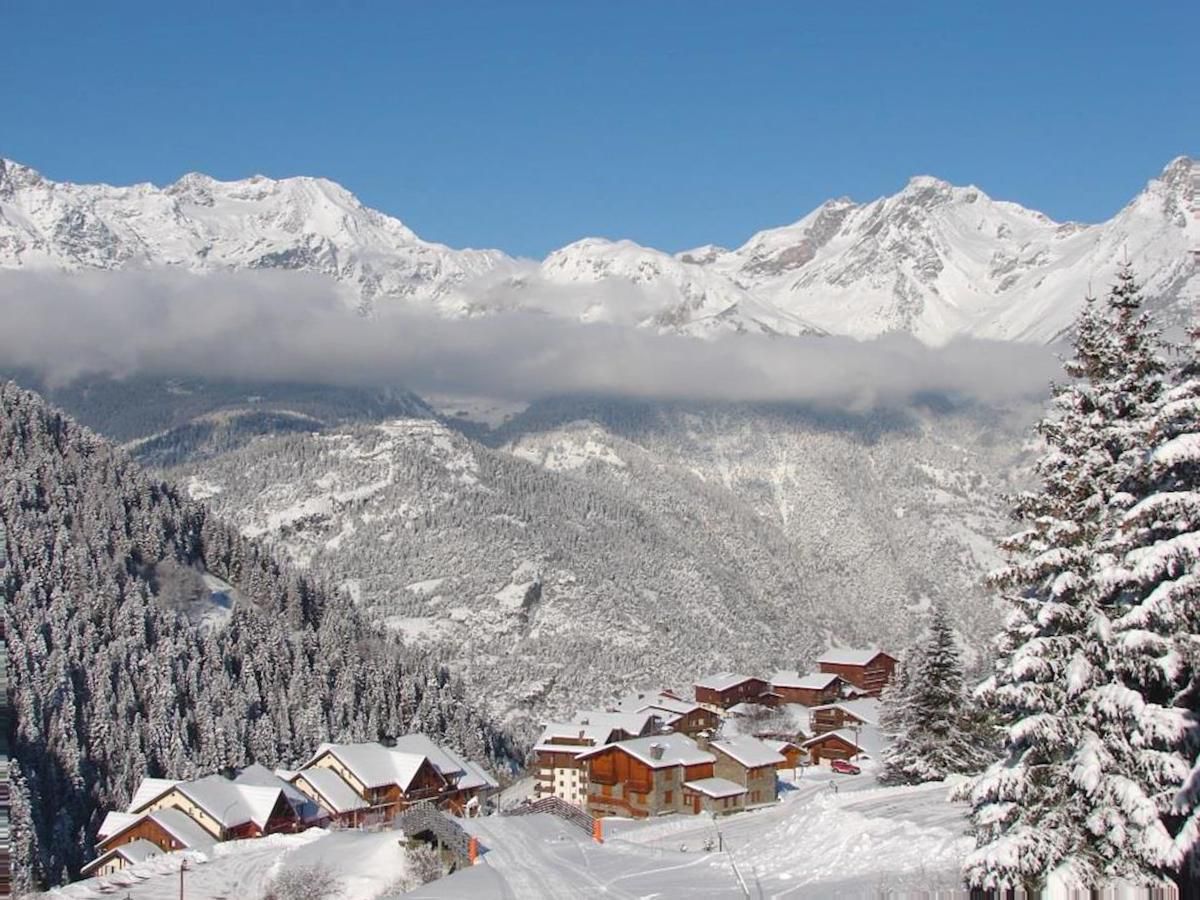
14 177
934 260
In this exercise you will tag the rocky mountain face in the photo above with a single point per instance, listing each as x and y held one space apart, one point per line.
934 260
938 261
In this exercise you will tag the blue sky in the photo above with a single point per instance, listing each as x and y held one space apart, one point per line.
528 125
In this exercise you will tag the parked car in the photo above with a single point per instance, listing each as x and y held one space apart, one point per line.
843 767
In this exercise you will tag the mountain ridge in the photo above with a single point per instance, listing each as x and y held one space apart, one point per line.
934 260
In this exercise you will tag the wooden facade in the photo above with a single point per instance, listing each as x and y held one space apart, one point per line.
871 677
146 829
810 696
829 747
746 690
620 784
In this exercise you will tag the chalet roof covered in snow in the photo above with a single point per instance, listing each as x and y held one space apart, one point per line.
176 823
134 852
866 709
722 681
654 702
230 803
849 656
477 778
469 775
256 775
867 739
331 789
114 822
148 791
716 787
750 752
596 727
812 681
673 750
374 764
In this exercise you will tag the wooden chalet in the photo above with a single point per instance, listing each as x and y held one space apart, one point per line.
386 779
868 670
844 744
718 796
339 803
228 810
644 777
673 712
793 754
811 689
167 829
751 763
468 784
726 689
558 769
844 714
121 857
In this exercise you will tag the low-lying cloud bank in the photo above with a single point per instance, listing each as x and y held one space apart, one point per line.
293 327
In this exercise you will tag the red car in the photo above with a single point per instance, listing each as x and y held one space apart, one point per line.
842 767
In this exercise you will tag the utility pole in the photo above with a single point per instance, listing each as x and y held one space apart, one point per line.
182 868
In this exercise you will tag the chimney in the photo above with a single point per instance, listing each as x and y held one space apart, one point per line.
656 750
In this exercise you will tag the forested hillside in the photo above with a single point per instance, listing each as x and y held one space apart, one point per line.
148 637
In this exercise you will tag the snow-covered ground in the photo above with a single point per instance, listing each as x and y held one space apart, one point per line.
368 864
862 841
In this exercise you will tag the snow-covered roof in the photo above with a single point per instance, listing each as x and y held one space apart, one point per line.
374 764
148 791
232 804
849 656
114 822
655 702
716 787
676 750
445 761
256 775
750 752
722 681
866 739
133 852
139 850
812 681
331 789
596 727
469 775
179 825
779 746
477 778
865 709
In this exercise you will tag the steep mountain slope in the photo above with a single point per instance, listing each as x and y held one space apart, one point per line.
606 545
934 260
544 589
114 678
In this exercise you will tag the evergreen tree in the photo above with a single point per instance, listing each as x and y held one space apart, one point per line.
929 717
1035 811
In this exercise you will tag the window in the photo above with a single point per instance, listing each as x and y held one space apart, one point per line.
606 790
669 797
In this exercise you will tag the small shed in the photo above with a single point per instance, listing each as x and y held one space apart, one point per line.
718 796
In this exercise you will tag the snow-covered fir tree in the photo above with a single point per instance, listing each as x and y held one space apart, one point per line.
1044 807
928 715
113 674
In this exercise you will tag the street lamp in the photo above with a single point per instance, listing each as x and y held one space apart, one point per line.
182 868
